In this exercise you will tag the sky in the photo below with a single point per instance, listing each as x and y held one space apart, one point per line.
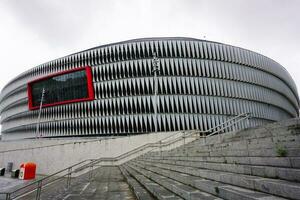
33 32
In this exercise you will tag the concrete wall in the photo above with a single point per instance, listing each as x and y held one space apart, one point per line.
51 155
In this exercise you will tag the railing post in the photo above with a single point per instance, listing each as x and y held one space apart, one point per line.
184 135
219 129
91 173
234 125
8 196
204 138
248 122
38 190
160 145
69 177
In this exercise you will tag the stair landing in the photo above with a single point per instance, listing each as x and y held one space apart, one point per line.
107 183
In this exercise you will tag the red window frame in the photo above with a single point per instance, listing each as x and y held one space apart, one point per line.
90 87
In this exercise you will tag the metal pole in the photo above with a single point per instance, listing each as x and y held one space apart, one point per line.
69 177
184 135
39 117
248 122
91 173
160 146
155 69
39 190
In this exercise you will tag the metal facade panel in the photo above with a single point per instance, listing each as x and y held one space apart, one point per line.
200 84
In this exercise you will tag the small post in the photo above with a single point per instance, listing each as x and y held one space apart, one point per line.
160 145
219 137
69 177
248 122
184 140
39 117
234 128
219 130
7 196
38 190
91 173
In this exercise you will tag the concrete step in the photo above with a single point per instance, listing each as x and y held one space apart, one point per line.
256 143
279 135
260 152
283 128
287 140
272 186
140 192
274 129
288 162
182 190
262 171
219 189
224 139
155 189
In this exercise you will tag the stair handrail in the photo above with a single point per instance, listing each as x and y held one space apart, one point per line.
160 143
203 134
243 116
89 163
238 119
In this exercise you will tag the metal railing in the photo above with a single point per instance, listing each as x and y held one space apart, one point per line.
177 139
216 130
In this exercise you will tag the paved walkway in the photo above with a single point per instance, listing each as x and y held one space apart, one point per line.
7 183
107 183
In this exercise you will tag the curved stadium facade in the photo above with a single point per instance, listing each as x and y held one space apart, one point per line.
110 90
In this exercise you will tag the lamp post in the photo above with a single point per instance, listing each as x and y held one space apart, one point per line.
39 117
155 69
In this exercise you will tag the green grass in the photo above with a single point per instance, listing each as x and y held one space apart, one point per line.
281 151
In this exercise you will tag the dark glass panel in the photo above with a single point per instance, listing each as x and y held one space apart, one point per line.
60 88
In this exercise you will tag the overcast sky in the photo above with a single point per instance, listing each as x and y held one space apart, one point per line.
33 32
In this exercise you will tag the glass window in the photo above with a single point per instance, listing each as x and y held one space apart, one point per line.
62 88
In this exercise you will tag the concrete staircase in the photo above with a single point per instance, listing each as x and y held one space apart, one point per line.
258 163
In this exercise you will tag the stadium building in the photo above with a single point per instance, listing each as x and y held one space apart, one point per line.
146 85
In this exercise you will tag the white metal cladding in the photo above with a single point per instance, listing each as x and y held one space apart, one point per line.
200 84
